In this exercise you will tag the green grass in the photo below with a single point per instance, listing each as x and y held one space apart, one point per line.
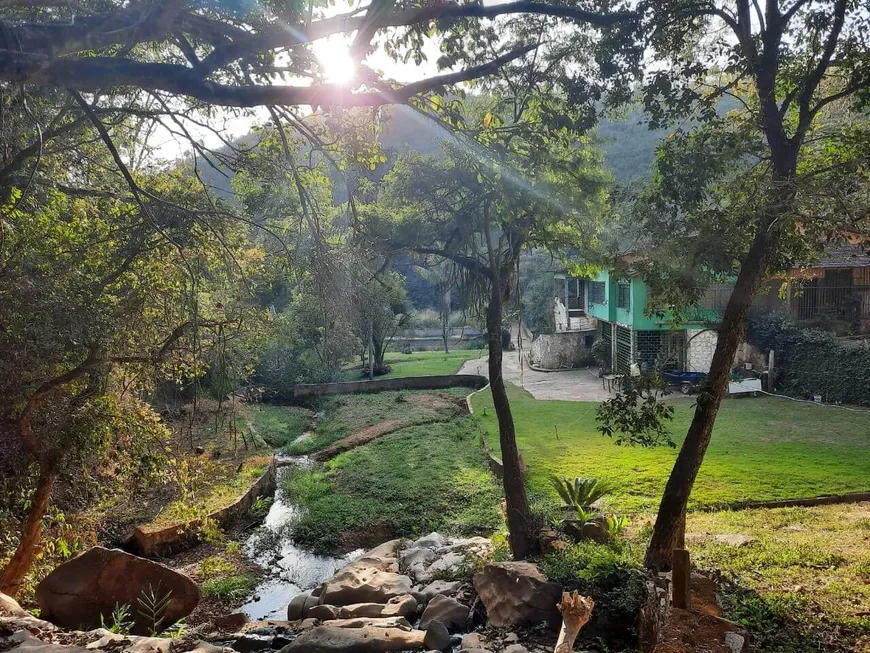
803 584
347 414
229 588
423 363
410 482
763 448
279 425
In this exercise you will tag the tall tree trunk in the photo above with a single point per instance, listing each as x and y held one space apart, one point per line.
16 569
519 515
671 515
445 317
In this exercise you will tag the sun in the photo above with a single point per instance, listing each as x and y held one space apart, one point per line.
333 54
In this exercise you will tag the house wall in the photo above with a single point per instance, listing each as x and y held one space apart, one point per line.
560 313
561 350
607 310
700 346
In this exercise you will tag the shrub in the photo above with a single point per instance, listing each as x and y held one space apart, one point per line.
230 588
612 574
811 361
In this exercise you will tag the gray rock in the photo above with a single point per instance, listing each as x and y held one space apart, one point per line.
385 550
368 639
322 612
735 642
416 556
436 587
515 648
379 622
363 584
473 641
450 562
297 603
10 607
447 610
430 541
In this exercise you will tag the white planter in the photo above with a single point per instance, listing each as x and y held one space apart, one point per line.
745 386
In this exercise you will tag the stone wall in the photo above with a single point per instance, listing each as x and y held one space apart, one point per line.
700 347
435 382
560 350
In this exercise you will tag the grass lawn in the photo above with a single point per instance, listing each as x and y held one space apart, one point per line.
410 482
803 584
423 363
762 448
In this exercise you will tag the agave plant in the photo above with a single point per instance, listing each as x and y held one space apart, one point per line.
580 492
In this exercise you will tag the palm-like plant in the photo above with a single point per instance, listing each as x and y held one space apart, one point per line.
580 492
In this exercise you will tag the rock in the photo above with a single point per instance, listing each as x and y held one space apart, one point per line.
416 556
477 545
449 563
10 607
385 550
24 642
380 622
297 603
515 648
511 638
517 594
231 622
310 602
307 624
77 592
735 642
383 563
448 611
323 612
368 639
430 541
436 587
593 530
734 539
398 606
473 641
363 584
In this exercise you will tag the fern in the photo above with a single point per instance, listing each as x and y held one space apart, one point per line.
152 607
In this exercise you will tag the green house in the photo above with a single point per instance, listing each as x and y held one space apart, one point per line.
616 308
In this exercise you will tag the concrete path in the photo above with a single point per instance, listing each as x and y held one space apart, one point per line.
567 385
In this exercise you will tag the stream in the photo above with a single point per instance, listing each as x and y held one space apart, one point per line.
290 570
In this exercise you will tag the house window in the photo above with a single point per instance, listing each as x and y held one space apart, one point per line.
596 292
623 296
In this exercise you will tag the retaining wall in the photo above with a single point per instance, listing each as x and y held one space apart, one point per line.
151 542
379 385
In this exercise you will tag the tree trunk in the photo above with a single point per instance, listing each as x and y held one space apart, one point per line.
519 516
16 569
445 318
668 526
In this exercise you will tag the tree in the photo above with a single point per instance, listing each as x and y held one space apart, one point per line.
477 208
753 190
148 283
380 310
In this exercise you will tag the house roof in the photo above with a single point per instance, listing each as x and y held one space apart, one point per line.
845 256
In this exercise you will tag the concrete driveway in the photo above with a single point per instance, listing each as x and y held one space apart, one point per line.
568 385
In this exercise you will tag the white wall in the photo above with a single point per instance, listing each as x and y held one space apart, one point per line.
701 345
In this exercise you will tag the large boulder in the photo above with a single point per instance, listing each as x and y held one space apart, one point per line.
447 610
517 594
368 639
79 591
361 583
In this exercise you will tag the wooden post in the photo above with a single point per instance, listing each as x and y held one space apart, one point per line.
770 371
682 580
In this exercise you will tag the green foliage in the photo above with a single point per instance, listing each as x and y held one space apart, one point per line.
637 415
581 492
151 608
812 361
763 448
615 524
229 588
601 352
612 575
119 620
410 482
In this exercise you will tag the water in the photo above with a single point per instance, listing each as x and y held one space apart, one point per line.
291 570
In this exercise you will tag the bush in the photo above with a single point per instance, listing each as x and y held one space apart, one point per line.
612 574
230 588
812 361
